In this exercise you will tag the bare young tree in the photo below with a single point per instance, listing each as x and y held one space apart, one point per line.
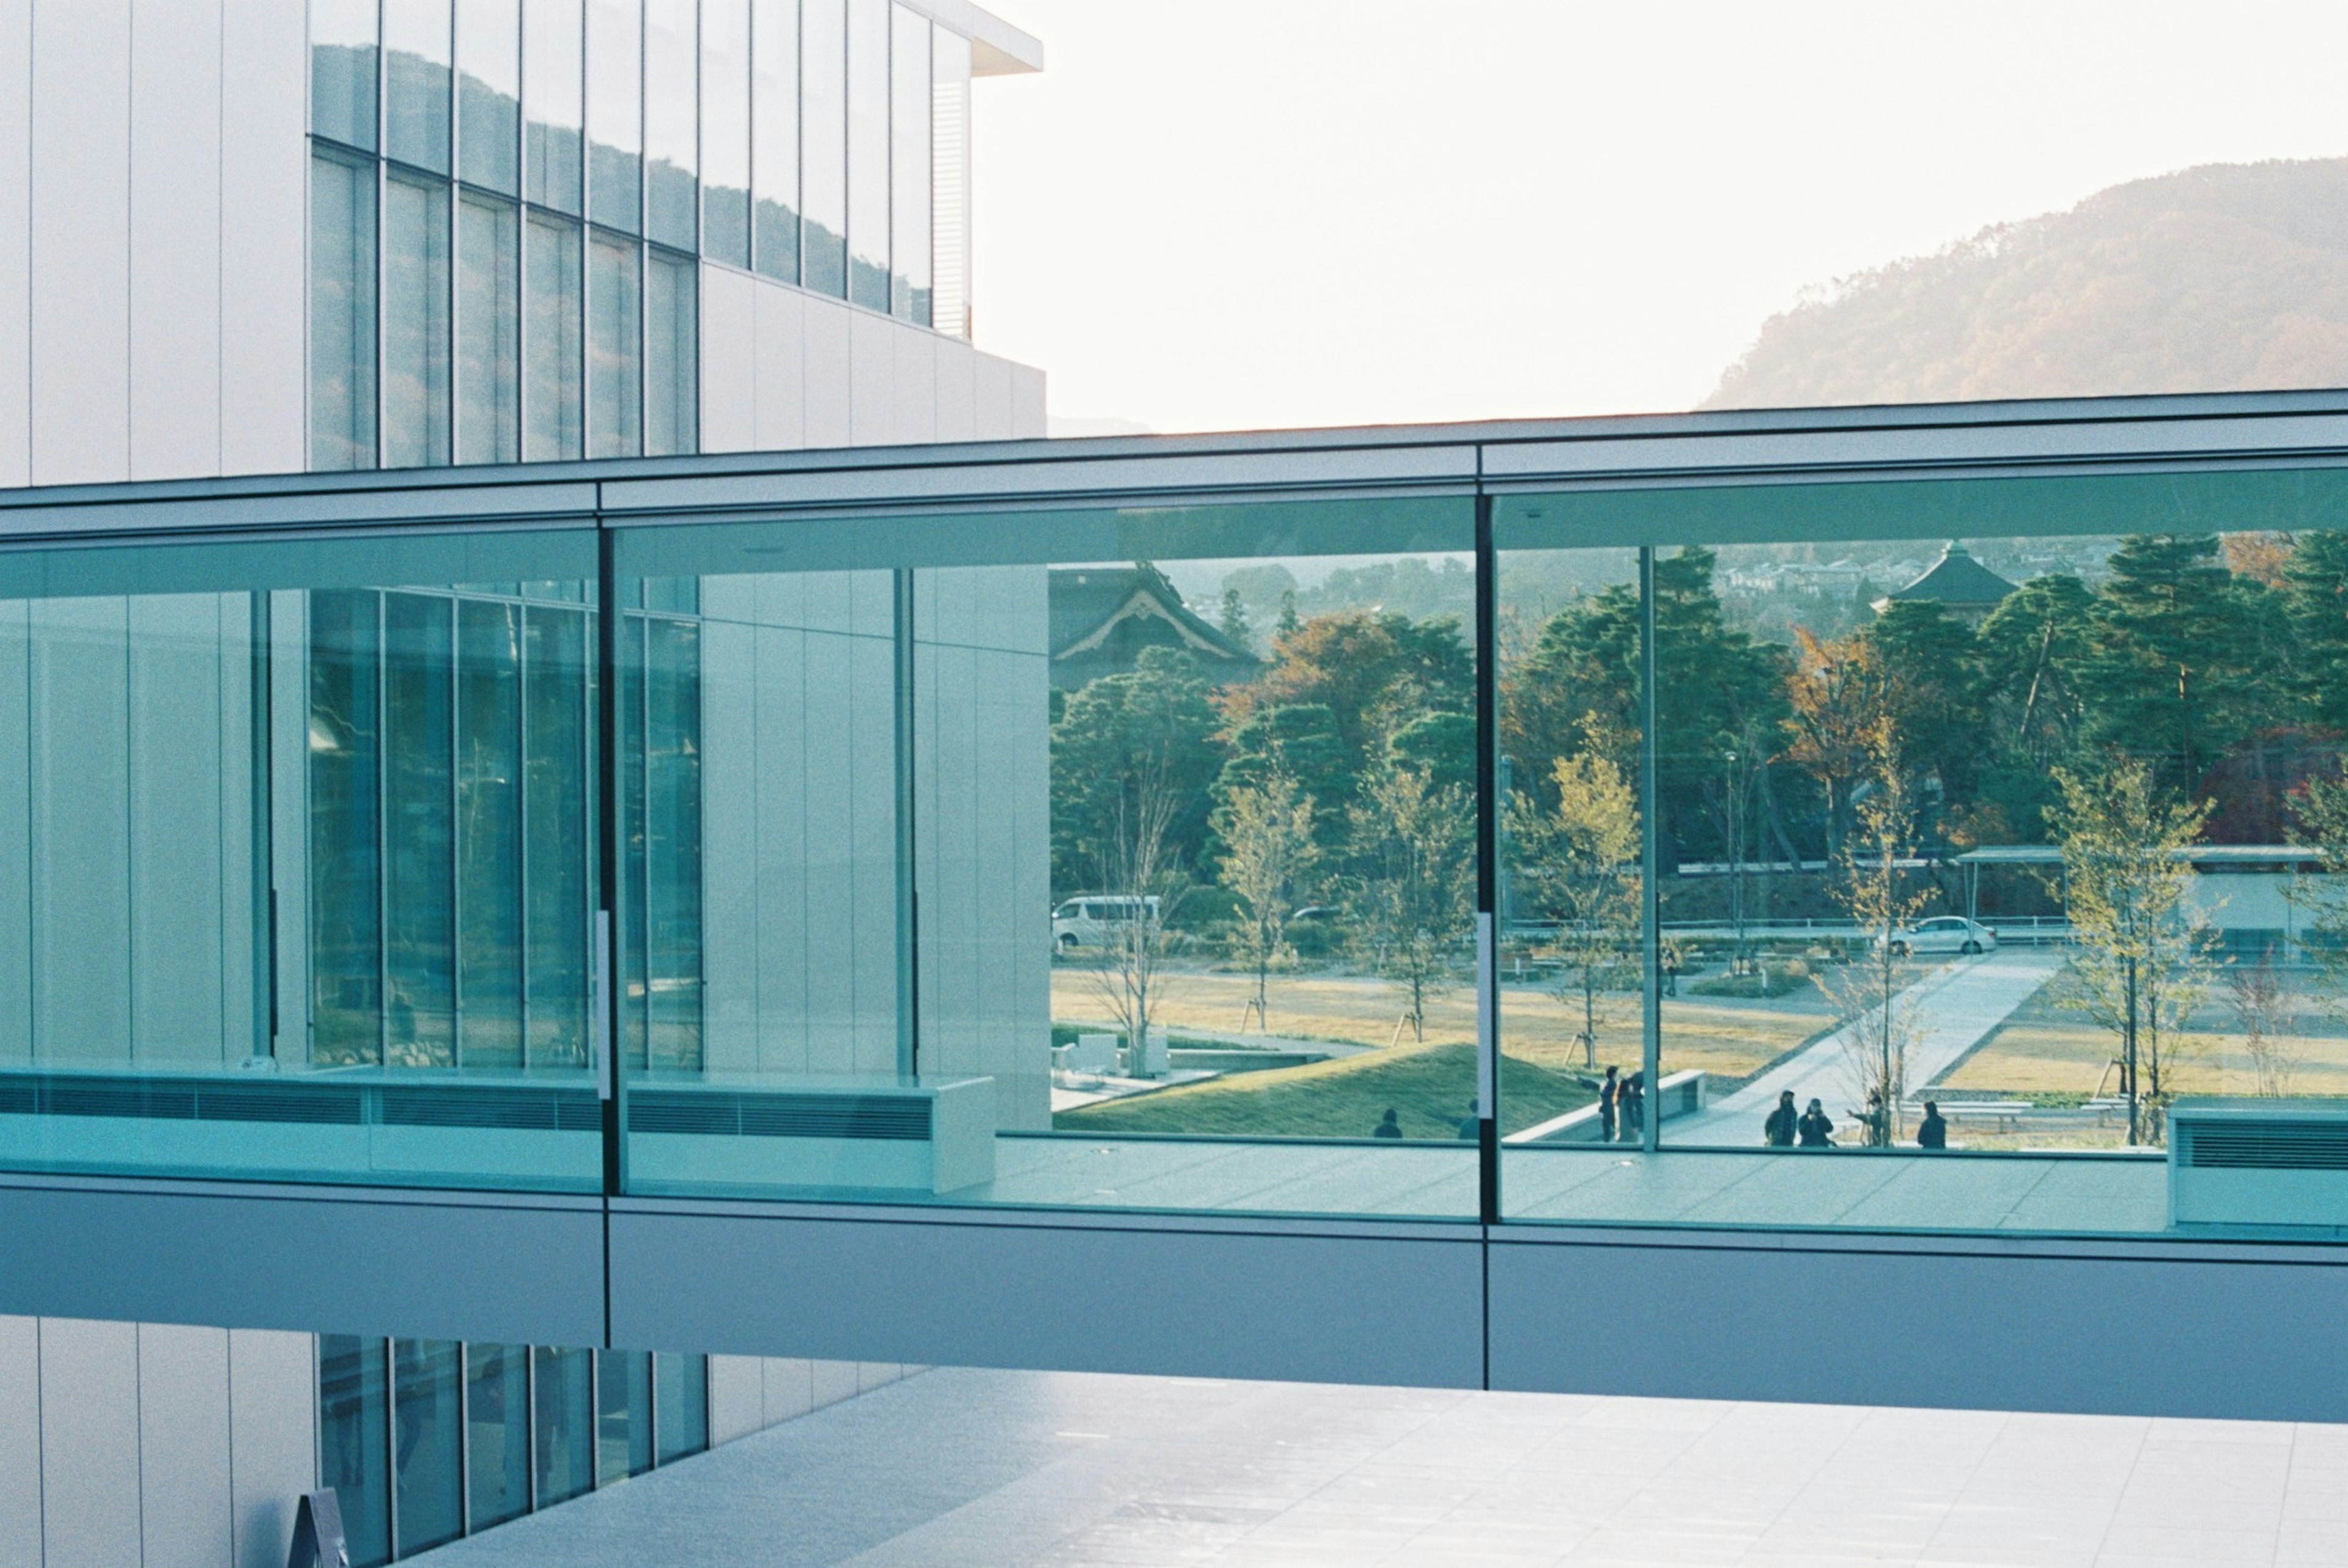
1415 891
1579 865
2142 958
1268 856
1140 870
2260 1003
2321 807
1881 1024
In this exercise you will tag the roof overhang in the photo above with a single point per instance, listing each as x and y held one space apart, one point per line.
997 47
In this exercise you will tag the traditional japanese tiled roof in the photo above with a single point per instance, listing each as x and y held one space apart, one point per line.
1955 580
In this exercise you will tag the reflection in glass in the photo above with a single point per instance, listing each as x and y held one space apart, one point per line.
726 131
428 1484
420 994
489 94
681 1384
615 424
867 153
489 330
660 802
342 313
775 133
566 1423
555 416
345 900
950 180
616 113
623 1415
353 1424
554 58
415 348
343 71
672 62
823 145
497 1433
416 44
671 355
488 833
557 847
909 109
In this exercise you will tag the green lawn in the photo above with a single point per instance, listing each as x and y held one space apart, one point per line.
1431 1086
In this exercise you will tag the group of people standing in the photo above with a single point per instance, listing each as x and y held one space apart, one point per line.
1621 1107
1811 1128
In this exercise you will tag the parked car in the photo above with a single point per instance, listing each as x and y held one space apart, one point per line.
1091 920
1945 933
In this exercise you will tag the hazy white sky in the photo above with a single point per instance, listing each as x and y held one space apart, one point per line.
1228 214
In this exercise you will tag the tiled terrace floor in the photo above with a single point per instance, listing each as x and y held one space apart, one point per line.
958 1469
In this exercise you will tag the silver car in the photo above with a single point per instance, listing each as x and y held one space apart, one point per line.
1945 933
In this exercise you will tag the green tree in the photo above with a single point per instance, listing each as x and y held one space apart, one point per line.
1301 740
2321 807
1234 623
2315 589
1153 725
2034 651
1373 671
1576 863
2143 955
1412 890
1931 668
1268 857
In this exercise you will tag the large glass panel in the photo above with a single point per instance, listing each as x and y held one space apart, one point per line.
909 181
342 311
671 355
615 392
354 1439
950 180
616 113
566 1423
680 1385
558 836
496 1434
867 153
490 886
554 104
269 888
343 71
672 68
775 132
555 387
1096 858
489 330
429 1486
623 1415
726 131
489 94
415 52
823 145
414 321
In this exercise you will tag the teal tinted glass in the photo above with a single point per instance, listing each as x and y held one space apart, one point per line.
266 853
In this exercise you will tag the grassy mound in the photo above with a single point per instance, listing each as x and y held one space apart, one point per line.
1430 1086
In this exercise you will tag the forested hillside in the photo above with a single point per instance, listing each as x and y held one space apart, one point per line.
2226 277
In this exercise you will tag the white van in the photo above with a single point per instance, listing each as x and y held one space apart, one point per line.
1092 920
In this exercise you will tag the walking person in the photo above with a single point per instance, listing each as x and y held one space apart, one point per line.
1671 971
1632 1106
1609 1095
1815 1131
1779 1130
1875 1121
1933 1131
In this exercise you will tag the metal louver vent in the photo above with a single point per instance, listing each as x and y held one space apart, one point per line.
2244 1144
897 1117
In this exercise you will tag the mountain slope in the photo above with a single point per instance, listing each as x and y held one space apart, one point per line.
2221 278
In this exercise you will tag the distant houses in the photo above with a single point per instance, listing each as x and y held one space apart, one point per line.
1103 617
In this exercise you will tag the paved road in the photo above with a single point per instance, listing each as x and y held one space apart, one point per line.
1959 1004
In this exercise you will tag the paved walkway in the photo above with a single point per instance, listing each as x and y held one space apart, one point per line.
958 1469
1959 1005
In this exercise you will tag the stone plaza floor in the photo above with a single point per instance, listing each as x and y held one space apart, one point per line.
962 1469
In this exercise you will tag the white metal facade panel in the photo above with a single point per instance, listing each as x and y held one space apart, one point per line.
80 226
81 871
1028 415
273 1439
916 379
175 237
781 367
829 1382
957 366
20 1442
184 1446
871 380
89 1443
15 242
729 365
827 357
265 235
789 1388
991 398
737 1396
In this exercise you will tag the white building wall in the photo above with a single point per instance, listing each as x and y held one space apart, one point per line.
175 239
15 246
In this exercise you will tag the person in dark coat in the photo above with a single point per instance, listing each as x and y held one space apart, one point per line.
1814 1130
1471 1126
1610 1096
1932 1132
1632 1106
1779 1130
1391 1127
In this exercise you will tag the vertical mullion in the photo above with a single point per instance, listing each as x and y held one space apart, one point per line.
602 943
464 1426
521 969
1650 911
1488 835
391 1448
530 1427
909 908
382 677
456 817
